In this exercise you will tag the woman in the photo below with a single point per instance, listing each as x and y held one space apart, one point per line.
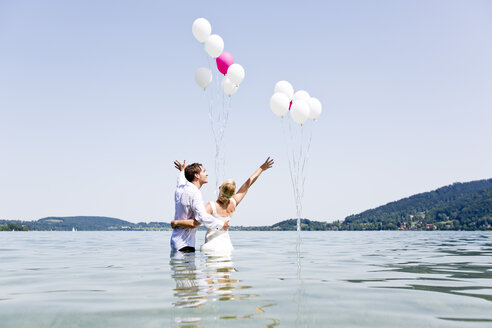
223 208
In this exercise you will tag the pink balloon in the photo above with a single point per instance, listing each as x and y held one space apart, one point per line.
224 61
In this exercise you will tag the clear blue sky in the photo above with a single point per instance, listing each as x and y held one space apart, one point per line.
97 99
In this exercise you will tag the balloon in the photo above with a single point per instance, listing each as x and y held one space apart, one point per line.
224 61
299 111
315 111
236 73
228 86
214 45
203 77
279 103
284 87
201 29
301 95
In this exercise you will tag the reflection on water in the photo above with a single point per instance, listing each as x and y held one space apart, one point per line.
212 280
183 271
195 287
334 279
300 291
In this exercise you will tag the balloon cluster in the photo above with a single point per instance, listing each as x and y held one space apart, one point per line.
300 104
214 46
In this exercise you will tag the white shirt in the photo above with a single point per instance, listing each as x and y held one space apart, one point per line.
189 205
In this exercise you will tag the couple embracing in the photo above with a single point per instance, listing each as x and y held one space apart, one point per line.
190 211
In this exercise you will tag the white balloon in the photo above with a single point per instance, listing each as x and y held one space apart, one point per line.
214 45
284 87
279 103
315 106
299 111
228 86
235 73
301 95
201 29
203 77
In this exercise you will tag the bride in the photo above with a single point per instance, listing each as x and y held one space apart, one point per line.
222 209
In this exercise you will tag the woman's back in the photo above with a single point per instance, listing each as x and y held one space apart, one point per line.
222 211
219 240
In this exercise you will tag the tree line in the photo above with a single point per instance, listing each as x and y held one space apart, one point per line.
460 206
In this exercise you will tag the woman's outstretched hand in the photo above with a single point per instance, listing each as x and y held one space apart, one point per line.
180 166
268 164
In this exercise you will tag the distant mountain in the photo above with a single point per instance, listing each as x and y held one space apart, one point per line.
460 206
81 223
85 223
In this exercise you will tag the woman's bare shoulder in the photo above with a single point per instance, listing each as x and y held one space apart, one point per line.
231 206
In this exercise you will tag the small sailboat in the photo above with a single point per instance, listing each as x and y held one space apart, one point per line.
73 229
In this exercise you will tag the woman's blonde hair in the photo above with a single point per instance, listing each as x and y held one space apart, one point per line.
226 191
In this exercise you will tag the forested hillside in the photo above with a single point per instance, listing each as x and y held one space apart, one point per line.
460 206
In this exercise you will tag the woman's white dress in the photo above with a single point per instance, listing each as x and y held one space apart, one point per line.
218 241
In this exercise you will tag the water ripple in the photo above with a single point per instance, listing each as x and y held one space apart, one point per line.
345 279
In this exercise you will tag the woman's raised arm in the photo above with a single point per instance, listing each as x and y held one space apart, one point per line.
238 197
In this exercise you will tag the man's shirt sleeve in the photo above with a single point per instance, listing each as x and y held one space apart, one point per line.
181 179
201 214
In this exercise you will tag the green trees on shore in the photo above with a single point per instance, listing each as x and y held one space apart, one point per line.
81 223
11 226
460 206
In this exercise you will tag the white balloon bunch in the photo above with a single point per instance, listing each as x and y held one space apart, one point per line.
214 46
300 104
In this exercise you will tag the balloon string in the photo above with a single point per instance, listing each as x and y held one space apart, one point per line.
208 61
298 145
294 169
305 158
219 116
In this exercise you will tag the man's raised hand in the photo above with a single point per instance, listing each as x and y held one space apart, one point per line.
180 166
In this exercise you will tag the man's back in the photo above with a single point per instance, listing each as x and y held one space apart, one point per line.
183 201
189 205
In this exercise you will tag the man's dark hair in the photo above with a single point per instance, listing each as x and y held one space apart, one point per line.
191 170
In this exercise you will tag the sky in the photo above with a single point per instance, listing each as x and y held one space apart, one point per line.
97 99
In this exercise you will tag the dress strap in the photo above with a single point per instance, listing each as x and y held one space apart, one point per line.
214 209
233 201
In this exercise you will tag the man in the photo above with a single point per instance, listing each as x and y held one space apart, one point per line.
189 205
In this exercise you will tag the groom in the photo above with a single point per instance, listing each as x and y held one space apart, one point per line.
189 205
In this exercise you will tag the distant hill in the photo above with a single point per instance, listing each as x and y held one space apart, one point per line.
80 223
85 223
460 206
289 225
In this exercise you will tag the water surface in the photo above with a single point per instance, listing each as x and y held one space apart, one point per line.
336 279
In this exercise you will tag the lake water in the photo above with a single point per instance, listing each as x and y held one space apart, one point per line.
335 279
